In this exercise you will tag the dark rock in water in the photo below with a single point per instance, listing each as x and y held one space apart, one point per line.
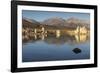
77 50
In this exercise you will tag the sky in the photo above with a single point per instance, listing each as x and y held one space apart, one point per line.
43 15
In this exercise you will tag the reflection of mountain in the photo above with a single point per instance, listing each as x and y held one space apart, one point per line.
62 39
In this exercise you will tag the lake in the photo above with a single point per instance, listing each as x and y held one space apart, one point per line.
52 47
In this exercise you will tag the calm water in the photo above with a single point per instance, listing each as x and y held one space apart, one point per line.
52 47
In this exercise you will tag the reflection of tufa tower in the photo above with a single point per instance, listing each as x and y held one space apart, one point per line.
81 38
81 33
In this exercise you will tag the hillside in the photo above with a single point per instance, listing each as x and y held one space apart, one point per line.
27 23
55 22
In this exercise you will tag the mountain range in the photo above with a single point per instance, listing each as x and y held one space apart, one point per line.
56 21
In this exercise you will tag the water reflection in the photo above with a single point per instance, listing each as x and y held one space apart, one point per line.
50 45
56 37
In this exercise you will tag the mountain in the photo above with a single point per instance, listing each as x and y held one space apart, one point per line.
74 22
70 23
30 23
32 20
56 21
